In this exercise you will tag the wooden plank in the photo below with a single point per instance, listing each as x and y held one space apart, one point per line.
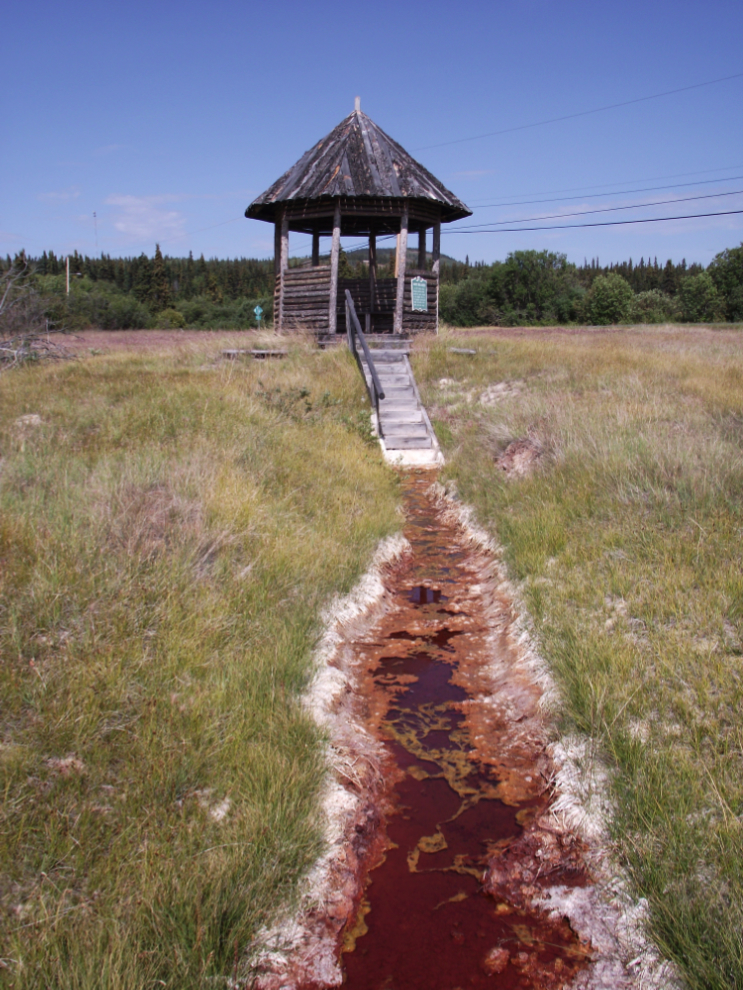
308 283
309 275
398 417
233 353
407 443
399 392
315 292
405 429
315 285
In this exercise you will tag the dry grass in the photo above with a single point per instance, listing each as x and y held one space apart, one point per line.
170 527
626 539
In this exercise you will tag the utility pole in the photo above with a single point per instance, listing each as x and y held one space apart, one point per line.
68 274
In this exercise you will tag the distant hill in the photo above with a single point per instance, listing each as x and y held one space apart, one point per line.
385 255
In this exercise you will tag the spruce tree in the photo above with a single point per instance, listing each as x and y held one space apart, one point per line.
213 289
187 287
159 294
669 279
142 278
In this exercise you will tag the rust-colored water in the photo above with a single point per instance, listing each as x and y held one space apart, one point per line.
425 921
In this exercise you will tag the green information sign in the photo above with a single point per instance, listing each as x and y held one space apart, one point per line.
419 294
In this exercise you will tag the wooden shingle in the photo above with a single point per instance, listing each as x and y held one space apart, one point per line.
358 161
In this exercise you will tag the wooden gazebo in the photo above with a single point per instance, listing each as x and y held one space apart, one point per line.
357 182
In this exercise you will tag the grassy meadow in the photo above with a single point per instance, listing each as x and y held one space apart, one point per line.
626 540
170 527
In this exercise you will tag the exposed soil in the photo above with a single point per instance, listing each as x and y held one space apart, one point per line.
450 854
520 457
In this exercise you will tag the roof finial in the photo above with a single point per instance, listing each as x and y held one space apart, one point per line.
357 104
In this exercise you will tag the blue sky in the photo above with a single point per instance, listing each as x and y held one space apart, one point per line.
167 119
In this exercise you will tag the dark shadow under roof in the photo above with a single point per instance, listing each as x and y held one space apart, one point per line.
357 160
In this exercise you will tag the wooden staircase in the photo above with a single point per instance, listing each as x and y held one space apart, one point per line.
402 421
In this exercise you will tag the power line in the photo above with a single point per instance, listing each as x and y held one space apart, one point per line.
615 192
608 209
581 113
603 223
579 190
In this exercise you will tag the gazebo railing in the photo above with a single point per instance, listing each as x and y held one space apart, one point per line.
354 331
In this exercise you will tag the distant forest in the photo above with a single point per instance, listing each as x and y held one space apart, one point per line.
528 288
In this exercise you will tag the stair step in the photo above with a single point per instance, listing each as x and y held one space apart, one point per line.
408 443
404 430
385 355
393 380
399 391
410 414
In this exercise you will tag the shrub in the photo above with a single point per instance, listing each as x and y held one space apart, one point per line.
535 286
609 300
654 306
204 313
464 304
700 300
726 271
170 317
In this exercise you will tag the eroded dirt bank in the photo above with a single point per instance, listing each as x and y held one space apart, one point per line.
448 867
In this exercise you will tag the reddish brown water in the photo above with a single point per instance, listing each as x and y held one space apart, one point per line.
426 921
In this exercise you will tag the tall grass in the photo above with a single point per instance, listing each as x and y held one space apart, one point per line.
627 542
170 528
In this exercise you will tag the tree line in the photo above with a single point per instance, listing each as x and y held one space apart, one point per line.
543 287
528 288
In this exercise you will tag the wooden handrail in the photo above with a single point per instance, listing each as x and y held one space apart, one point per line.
353 330
364 345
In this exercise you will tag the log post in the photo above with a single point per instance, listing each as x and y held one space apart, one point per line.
402 254
277 268
283 263
372 274
277 246
422 249
335 251
436 256
316 247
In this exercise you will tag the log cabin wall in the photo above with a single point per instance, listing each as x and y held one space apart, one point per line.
306 298
307 295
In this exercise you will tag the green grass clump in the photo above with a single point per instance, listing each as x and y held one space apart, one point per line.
170 528
626 539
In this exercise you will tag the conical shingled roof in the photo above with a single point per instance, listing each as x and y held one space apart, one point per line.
357 159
